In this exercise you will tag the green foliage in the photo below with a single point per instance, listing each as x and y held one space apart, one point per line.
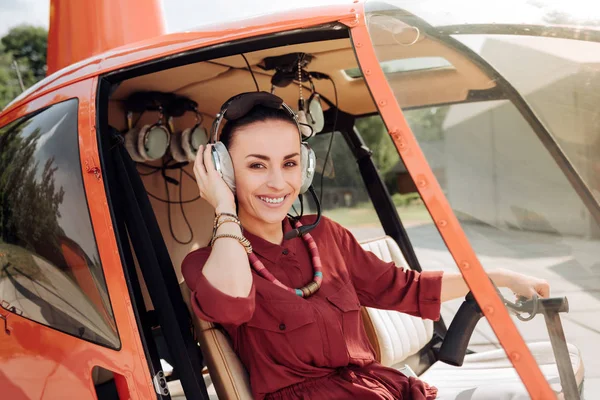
427 123
376 137
406 200
27 45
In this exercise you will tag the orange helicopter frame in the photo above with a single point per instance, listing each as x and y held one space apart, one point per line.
32 341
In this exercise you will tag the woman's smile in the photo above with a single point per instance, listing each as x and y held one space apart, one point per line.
273 201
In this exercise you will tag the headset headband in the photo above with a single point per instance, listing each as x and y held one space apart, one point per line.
241 104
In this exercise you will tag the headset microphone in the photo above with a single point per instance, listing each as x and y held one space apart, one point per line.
306 228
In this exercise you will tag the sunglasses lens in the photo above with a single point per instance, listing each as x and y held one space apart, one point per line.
241 105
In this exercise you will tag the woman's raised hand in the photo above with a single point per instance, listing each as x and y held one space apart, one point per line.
210 183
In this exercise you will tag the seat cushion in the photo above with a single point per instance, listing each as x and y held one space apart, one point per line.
490 375
398 335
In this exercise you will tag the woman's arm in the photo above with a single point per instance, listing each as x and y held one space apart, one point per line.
454 286
227 267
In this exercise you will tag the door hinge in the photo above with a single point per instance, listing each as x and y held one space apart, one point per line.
160 384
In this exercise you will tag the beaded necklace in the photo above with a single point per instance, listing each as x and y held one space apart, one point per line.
304 291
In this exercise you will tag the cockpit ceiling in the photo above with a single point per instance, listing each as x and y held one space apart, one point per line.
211 83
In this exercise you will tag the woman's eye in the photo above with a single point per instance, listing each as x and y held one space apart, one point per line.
257 166
291 164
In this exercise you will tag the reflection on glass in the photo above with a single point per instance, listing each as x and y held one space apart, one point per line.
49 264
561 83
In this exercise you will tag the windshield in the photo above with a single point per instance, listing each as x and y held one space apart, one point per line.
510 125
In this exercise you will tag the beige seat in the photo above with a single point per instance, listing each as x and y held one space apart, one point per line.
396 338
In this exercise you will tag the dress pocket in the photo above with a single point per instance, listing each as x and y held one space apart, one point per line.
286 334
345 299
282 317
354 335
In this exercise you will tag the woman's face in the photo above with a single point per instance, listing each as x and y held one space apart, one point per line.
266 161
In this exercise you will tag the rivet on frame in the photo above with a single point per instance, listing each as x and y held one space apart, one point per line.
442 223
515 357
352 10
422 183
489 310
382 103
358 44
465 265
368 72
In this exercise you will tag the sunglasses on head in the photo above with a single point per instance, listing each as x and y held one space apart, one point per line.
241 104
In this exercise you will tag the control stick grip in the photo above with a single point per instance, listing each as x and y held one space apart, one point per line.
459 333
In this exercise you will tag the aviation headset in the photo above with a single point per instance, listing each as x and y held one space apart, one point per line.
149 143
237 107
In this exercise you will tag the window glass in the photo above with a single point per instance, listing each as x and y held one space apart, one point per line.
50 270
560 80
511 197
423 234
345 198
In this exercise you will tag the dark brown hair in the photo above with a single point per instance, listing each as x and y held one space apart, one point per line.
256 114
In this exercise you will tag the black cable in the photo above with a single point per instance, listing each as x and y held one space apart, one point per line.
251 72
330 140
172 202
164 174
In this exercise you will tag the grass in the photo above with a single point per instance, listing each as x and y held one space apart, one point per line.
365 216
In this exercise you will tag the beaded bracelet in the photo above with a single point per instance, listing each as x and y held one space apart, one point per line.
243 241
224 221
225 214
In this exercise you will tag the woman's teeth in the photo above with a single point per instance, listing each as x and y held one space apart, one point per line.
272 200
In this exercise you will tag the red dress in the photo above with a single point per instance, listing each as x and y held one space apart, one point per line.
316 348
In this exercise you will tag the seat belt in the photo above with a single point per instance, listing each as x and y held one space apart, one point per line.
159 275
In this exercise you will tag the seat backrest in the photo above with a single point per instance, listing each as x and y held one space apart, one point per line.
395 336
228 374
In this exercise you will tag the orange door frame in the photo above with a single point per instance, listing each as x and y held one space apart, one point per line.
37 361
442 214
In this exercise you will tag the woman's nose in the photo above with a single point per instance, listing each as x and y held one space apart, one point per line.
276 179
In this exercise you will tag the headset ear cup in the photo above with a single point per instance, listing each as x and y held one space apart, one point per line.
153 141
131 140
175 146
191 140
224 165
308 161
316 118
305 128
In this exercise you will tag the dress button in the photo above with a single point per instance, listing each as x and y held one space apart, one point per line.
285 252
282 327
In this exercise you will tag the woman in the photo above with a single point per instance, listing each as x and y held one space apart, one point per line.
305 343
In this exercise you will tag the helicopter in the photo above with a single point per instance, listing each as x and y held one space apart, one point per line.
459 136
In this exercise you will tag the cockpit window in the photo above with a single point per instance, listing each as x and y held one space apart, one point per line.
50 269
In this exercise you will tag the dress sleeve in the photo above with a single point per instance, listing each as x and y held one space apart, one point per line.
384 285
208 302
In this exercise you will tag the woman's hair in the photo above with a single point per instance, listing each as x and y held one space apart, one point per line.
257 114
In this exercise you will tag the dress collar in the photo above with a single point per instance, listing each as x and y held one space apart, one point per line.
272 251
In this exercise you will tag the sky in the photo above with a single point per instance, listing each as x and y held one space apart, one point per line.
183 15
180 15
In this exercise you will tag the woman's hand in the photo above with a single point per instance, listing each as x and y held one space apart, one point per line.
527 286
210 183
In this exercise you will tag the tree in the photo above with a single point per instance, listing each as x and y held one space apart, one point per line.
28 45
9 84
